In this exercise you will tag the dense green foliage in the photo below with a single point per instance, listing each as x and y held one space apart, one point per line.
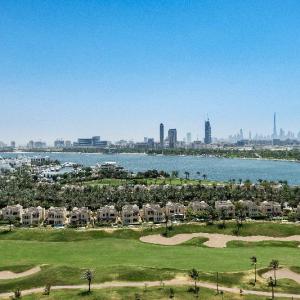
23 188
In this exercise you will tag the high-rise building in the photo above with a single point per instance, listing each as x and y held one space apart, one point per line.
274 128
13 144
188 138
207 138
161 135
172 137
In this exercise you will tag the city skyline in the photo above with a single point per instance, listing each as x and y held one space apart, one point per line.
100 68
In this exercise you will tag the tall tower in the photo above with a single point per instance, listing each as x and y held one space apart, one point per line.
274 127
207 138
161 135
172 137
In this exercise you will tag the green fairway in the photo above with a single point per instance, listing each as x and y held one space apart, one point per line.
121 256
114 252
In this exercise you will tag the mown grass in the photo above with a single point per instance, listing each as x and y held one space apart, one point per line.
72 235
68 275
120 256
195 242
295 269
290 244
16 268
162 293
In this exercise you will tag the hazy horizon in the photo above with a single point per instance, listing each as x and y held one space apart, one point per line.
119 68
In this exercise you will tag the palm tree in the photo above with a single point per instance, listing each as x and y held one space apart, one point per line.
194 274
274 264
88 275
271 283
187 175
204 176
254 263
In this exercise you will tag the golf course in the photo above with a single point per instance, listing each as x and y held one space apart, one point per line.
62 255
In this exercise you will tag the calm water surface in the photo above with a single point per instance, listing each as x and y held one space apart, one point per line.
221 169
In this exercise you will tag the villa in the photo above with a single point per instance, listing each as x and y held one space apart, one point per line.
225 207
198 206
130 214
12 212
250 208
270 208
56 216
175 211
153 213
80 216
33 216
107 214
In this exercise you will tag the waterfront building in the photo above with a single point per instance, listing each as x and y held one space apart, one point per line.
172 138
207 138
188 138
130 214
91 142
161 135
274 136
153 213
59 143
107 214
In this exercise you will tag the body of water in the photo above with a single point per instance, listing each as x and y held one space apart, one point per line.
221 169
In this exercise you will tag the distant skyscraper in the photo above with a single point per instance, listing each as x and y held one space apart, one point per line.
274 128
207 138
172 137
188 138
161 134
241 135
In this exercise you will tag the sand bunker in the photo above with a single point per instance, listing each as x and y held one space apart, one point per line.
214 240
282 274
12 275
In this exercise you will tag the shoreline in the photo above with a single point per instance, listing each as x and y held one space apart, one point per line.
147 154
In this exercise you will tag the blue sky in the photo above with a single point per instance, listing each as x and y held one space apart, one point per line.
118 68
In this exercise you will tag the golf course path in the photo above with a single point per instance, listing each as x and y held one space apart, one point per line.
173 282
214 239
12 275
282 274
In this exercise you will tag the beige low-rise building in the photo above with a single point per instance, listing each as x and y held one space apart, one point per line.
130 214
153 213
107 214
225 207
175 211
270 208
80 216
56 216
198 206
12 212
33 216
250 208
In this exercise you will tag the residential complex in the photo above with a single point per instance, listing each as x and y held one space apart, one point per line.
131 214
